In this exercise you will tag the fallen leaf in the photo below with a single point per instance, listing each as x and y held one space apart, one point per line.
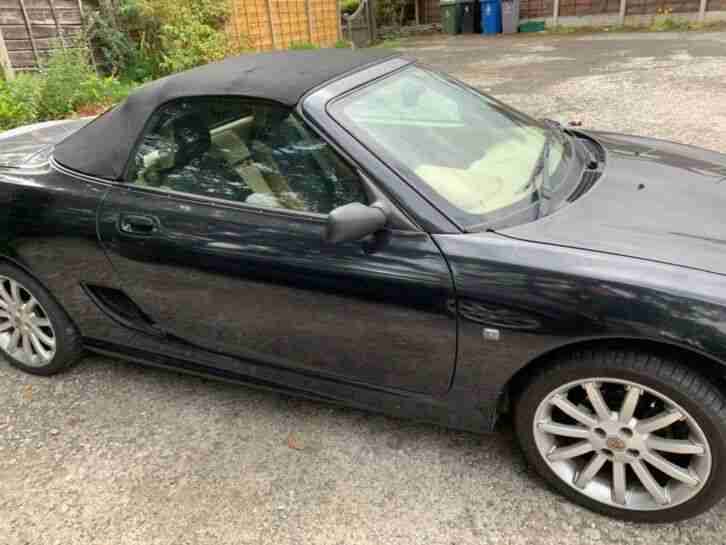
294 443
28 392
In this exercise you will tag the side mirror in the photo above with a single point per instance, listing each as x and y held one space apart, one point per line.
354 221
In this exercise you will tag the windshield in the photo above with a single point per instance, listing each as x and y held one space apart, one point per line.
474 156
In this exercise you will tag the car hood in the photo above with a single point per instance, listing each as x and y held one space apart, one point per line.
31 145
656 200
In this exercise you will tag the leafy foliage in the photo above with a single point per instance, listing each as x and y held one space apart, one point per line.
116 51
187 33
145 39
64 81
18 101
393 12
303 46
65 85
349 6
664 21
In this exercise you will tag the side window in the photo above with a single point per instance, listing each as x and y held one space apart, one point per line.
243 151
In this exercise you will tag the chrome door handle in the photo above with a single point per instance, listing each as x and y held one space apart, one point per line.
137 225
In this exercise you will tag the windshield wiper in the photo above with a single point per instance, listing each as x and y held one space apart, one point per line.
542 167
590 159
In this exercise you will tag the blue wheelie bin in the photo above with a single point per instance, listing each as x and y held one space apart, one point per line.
491 16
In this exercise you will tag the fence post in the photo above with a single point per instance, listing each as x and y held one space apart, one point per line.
556 13
29 28
91 52
310 21
340 20
271 26
623 9
58 27
702 11
7 66
372 24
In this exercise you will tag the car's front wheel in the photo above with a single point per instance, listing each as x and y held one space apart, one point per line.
627 434
36 335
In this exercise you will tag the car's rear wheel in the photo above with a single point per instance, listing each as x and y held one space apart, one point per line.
627 434
36 335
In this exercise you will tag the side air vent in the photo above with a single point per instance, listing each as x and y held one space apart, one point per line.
119 306
497 316
588 180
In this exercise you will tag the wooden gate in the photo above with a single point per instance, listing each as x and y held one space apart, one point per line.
360 27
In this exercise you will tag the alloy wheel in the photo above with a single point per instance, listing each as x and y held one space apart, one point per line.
622 444
26 332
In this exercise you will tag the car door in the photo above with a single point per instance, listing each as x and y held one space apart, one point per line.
218 238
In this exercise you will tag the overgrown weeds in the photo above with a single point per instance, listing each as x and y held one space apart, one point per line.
64 86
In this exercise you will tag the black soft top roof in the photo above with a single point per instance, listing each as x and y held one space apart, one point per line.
102 148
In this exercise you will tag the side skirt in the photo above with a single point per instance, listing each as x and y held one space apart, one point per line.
440 411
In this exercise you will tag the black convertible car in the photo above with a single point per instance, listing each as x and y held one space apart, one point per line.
360 229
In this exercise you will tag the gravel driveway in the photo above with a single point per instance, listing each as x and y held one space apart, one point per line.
110 453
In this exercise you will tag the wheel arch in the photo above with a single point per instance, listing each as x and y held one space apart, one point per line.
711 367
10 258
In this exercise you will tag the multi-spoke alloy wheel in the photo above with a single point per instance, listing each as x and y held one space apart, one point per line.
36 335
26 332
630 434
622 443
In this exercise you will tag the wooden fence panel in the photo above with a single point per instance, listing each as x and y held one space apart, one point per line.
19 32
265 25
326 24
541 9
40 16
33 28
536 9
256 23
430 11
290 22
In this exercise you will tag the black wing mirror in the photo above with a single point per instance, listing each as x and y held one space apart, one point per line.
355 221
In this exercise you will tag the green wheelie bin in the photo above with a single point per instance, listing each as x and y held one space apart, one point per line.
451 16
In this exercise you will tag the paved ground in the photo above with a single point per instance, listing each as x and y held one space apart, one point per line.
113 454
665 85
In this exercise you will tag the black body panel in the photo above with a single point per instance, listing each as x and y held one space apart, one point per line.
265 286
33 145
656 200
543 297
48 226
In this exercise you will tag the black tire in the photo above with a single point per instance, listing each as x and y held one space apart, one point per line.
68 349
663 374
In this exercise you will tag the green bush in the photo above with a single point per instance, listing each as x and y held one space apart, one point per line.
349 6
66 85
393 12
66 79
302 46
190 32
116 51
19 101
145 39
665 22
